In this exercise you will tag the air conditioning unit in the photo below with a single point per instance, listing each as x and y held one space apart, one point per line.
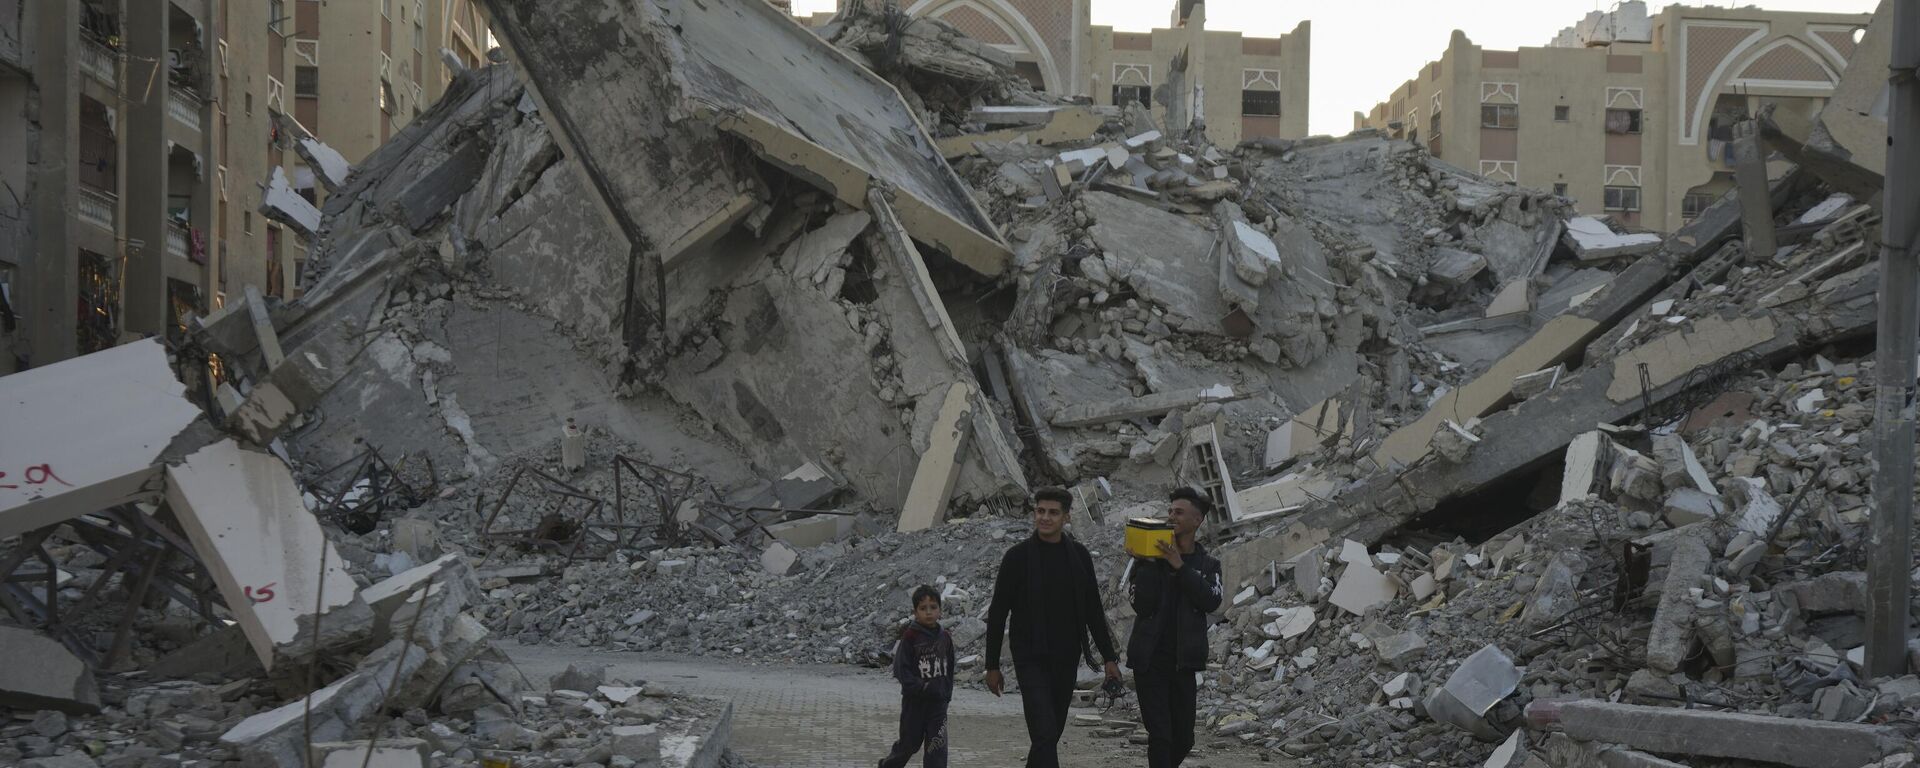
173 58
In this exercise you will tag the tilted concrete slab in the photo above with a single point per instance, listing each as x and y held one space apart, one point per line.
1156 404
242 511
742 67
87 433
43 674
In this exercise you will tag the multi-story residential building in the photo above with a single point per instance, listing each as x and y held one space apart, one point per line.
1626 113
1244 87
108 130
136 137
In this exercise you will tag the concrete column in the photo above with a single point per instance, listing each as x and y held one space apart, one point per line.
143 288
1756 203
53 274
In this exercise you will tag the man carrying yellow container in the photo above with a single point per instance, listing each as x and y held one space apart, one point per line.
1172 587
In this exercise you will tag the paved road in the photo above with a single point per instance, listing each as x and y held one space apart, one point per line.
827 716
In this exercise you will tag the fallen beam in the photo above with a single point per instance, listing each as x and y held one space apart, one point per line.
1672 633
1735 735
940 463
1050 125
1156 404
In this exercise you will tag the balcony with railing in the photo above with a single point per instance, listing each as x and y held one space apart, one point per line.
99 208
184 107
98 60
176 240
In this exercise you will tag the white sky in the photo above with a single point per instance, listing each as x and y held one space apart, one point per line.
1363 49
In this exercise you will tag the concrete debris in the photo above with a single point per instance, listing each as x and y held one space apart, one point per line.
282 204
54 680
1593 240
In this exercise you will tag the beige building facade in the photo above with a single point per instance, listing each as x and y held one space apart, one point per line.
1628 114
137 137
1243 87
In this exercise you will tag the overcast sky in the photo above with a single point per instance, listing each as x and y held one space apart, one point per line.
1363 49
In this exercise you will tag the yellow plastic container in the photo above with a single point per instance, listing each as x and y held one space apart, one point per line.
1144 534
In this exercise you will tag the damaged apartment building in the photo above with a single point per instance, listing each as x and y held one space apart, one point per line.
690 299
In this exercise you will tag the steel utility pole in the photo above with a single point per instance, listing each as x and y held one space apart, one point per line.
1890 553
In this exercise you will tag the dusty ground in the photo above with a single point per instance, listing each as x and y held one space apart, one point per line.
804 716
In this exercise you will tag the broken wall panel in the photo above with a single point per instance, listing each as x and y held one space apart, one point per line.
280 577
85 434
736 66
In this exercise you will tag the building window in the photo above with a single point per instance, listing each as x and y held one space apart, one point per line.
1623 121
1499 116
1623 199
419 36
1562 113
1260 103
1560 188
1696 203
386 99
249 102
246 222
386 8
1138 94
306 81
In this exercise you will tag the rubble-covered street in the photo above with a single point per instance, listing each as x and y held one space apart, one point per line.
651 369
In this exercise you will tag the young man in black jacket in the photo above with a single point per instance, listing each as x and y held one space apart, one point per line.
923 663
1171 597
1046 583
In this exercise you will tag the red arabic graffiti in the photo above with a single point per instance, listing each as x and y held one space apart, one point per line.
39 474
260 594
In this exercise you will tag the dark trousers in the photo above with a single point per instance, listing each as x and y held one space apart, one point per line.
923 726
1168 698
1046 690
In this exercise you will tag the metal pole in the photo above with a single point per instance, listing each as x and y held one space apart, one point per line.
1890 553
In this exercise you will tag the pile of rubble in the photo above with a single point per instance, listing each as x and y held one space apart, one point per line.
1494 480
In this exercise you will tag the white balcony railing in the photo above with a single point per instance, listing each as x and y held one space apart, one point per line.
176 240
97 61
184 107
99 208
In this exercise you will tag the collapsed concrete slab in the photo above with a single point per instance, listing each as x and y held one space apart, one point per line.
278 737
1157 404
1592 240
282 204
279 575
42 674
742 68
86 434
1038 125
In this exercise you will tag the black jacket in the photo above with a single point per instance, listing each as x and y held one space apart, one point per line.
923 662
1151 588
1013 593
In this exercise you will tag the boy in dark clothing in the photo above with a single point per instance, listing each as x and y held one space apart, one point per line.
1171 597
923 663
1046 584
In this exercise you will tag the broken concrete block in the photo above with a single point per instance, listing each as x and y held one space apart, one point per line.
1592 240
1361 588
44 675
1399 650
1582 465
1759 509
243 512
579 677
778 558
1453 267
1511 753
1514 298
1483 680
100 423
400 598
640 743
1091 414
1689 505
1556 592
420 539
940 464
463 640
1833 592
1672 633
386 753
1316 426
1453 442
1706 733
810 532
1306 573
